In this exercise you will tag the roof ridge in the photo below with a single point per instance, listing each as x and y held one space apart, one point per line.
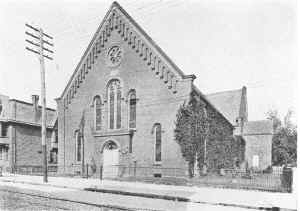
24 102
226 91
262 120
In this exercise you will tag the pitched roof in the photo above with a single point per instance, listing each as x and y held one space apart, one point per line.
261 127
204 97
228 103
117 11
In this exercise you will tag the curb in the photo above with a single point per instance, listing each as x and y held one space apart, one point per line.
153 196
179 199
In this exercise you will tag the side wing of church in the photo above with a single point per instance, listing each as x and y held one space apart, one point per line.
119 107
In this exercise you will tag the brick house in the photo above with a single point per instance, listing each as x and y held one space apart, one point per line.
257 135
119 106
20 137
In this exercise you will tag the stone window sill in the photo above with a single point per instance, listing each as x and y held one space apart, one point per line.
116 132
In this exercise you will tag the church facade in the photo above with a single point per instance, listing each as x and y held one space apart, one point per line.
119 107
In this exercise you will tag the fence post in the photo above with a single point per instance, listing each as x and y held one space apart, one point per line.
134 168
286 179
87 170
101 172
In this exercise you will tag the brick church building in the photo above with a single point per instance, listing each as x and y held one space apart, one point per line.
119 106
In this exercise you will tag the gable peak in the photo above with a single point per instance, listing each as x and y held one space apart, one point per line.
117 19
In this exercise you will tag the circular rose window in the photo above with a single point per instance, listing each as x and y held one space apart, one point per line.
114 56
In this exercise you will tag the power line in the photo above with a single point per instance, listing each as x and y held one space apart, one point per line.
168 4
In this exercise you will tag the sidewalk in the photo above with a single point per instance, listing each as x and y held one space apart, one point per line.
214 196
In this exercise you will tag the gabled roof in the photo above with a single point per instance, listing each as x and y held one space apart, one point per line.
204 97
261 127
117 12
232 104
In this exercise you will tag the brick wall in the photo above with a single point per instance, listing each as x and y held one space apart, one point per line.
29 145
156 104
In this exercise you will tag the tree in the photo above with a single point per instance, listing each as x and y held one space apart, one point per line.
191 129
284 142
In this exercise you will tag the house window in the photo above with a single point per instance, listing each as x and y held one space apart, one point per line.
4 129
114 99
78 146
157 133
53 156
97 112
132 110
4 153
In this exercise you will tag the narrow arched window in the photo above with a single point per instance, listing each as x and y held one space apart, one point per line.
132 110
97 112
158 142
114 99
118 106
78 146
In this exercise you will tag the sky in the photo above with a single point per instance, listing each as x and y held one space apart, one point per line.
227 44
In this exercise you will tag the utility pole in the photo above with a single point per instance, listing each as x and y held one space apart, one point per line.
40 52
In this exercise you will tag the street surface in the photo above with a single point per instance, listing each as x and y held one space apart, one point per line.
12 200
32 197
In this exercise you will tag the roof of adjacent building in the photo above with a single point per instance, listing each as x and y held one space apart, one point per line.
261 127
204 97
23 113
232 104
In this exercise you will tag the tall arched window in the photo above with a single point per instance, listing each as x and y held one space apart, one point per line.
114 99
132 109
158 142
97 113
78 146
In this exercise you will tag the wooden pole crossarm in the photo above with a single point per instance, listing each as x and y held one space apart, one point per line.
35 29
48 57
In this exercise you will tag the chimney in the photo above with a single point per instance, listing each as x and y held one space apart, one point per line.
35 105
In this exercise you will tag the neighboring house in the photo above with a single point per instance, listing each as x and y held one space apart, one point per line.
257 135
120 105
20 137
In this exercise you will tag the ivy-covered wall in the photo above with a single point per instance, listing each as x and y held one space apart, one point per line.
205 135
223 150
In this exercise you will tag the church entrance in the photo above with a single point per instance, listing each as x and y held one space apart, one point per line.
110 160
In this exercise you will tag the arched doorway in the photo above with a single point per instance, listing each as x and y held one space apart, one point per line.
110 159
